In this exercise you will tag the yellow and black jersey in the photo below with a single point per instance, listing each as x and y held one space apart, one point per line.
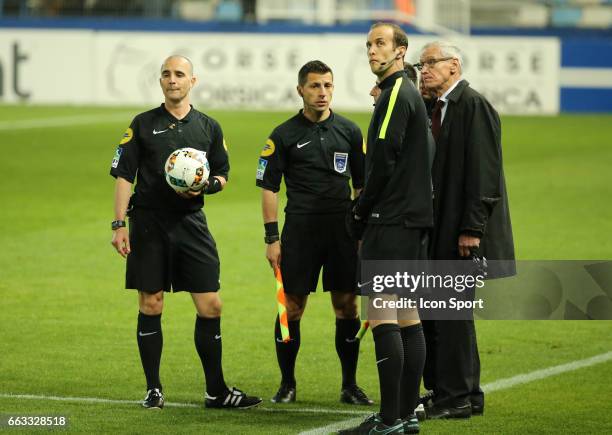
150 139
398 187
317 160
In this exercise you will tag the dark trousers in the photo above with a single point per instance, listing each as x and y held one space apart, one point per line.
452 365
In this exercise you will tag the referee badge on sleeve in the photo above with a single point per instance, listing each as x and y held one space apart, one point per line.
261 168
340 160
118 153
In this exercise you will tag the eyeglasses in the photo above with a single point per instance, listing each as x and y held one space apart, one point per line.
430 63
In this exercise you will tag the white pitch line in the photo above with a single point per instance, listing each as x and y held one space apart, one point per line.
99 400
87 400
65 121
504 384
501 384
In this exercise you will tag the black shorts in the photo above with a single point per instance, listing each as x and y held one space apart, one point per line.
312 242
394 242
171 252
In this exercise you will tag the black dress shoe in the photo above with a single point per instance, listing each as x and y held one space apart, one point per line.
477 409
477 400
444 412
427 399
353 395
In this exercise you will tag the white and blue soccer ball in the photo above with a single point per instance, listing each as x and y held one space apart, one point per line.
187 169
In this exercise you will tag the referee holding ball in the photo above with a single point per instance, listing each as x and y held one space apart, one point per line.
169 246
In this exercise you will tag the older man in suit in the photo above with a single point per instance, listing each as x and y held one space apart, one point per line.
471 218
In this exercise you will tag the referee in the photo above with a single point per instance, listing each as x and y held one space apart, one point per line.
169 246
396 206
318 152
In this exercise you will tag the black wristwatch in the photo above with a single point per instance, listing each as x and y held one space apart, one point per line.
115 225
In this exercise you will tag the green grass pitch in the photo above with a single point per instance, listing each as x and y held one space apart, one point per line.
67 326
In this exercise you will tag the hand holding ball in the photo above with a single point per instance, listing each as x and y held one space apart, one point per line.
187 169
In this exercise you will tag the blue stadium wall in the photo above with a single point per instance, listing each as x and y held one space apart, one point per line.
590 63
586 65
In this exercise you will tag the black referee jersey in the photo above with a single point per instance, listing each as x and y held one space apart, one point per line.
317 161
398 186
148 142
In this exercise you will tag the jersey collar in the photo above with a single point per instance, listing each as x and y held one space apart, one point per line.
390 81
173 119
323 124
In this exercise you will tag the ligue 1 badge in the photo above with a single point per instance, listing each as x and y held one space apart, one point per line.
340 161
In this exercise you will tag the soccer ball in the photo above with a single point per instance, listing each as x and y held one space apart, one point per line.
187 169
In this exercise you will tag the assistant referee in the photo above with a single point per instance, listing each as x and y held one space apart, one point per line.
169 246
318 152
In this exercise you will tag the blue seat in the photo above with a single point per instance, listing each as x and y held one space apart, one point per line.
565 17
382 5
229 10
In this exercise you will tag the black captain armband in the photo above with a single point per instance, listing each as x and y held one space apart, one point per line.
271 232
213 186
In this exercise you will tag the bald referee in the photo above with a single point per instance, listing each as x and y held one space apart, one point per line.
169 246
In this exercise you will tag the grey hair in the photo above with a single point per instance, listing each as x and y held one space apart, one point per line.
446 50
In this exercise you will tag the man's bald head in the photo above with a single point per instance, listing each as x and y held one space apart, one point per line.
177 79
180 58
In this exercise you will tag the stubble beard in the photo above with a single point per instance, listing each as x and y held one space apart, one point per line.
382 70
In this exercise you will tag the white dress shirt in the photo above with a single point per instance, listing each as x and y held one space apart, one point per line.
444 98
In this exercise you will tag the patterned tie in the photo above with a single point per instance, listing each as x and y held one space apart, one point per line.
436 119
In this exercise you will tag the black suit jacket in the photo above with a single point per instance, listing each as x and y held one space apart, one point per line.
469 186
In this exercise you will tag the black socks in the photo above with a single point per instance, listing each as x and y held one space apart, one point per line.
286 353
389 360
413 341
347 347
207 337
150 343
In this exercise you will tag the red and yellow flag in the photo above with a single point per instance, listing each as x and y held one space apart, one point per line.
364 327
282 307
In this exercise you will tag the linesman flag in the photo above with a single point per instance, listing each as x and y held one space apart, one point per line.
364 327
282 307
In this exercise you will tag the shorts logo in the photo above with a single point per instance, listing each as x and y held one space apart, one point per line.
118 153
268 149
261 168
127 136
224 145
340 161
